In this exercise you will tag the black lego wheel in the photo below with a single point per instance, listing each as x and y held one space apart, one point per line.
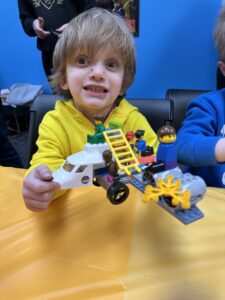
117 193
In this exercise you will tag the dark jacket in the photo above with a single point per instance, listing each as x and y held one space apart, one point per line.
55 13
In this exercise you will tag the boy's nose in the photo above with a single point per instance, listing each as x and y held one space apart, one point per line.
97 72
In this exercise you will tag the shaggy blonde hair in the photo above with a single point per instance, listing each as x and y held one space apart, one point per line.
93 30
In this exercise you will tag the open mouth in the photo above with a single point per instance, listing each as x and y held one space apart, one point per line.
96 89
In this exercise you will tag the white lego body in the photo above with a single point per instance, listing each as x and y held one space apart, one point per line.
80 167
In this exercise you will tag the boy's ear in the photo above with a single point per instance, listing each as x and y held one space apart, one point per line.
221 66
63 84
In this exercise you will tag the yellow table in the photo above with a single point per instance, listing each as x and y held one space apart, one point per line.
83 247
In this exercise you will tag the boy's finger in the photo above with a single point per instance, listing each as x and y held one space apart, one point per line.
44 173
38 190
36 205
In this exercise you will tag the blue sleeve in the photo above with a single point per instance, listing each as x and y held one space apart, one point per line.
198 135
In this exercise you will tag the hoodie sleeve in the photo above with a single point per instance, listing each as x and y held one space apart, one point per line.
198 135
27 16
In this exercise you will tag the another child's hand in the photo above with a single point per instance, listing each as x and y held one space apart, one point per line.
219 151
38 189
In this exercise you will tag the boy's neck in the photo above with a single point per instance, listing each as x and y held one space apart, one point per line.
90 115
105 114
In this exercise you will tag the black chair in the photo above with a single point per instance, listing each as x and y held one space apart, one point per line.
157 111
180 98
42 104
8 155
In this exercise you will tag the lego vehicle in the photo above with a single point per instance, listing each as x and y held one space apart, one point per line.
109 155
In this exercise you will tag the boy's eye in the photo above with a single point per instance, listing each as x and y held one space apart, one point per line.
82 60
112 64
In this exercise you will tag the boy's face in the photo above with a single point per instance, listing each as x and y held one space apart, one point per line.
95 82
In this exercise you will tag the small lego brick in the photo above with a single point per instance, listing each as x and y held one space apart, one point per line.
148 151
146 159
130 135
115 125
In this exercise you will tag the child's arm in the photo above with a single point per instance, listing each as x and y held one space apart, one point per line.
200 131
38 189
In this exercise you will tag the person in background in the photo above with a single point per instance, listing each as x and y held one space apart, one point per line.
201 139
93 65
106 4
47 20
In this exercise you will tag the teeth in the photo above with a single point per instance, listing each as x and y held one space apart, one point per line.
96 89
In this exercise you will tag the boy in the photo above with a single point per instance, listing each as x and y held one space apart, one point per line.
201 141
93 65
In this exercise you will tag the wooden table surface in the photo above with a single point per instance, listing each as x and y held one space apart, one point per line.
83 247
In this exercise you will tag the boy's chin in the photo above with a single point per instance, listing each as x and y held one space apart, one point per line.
97 104
99 109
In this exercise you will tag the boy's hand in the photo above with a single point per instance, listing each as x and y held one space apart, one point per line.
38 189
38 26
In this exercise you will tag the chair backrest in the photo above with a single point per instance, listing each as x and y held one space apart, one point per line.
156 111
180 98
41 105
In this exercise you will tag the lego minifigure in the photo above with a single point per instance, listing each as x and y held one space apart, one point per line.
111 165
140 144
167 151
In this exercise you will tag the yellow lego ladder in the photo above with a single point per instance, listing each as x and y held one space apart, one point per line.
121 150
